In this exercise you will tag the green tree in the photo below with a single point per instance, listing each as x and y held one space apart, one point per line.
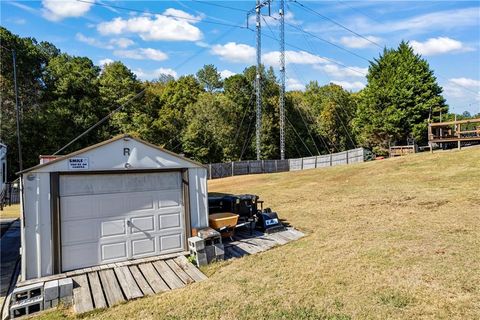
209 78
400 97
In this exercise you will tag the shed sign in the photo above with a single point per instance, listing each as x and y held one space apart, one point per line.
77 163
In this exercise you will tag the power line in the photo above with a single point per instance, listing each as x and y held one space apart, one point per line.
220 5
164 15
293 127
336 23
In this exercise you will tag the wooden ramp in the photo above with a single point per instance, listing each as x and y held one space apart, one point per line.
245 243
104 287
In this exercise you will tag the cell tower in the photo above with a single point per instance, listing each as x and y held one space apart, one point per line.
282 79
258 126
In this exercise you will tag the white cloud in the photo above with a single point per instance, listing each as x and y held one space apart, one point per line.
142 54
113 43
294 84
292 57
438 45
154 74
358 42
226 74
169 26
352 86
440 20
234 52
92 41
342 72
103 62
122 42
56 10
466 82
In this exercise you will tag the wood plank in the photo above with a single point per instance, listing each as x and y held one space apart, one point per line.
82 301
141 282
153 278
168 275
246 247
128 284
97 291
190 269
112 289
278 239
240 251
179 271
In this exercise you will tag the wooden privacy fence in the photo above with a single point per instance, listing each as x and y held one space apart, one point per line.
235 168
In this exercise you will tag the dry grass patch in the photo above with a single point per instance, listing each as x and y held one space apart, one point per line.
393 239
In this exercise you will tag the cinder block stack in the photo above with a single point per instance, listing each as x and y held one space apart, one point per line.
40 296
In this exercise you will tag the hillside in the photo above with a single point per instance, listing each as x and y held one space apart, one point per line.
395 239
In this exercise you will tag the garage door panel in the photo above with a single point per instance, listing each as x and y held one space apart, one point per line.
113 228
171 220
116 251
70 254
79 208
139 202
142 224
171 242
75 232
170 199
143 247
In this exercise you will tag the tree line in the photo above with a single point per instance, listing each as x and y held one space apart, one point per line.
203 116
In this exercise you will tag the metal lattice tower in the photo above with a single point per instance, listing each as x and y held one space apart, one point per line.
258 126
282 79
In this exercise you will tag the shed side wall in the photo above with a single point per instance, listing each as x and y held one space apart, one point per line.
198 197
38 233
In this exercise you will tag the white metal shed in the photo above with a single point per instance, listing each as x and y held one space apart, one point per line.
117 200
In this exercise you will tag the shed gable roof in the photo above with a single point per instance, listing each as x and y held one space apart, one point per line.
151 156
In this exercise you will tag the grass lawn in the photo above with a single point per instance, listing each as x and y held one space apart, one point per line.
392 239
10 212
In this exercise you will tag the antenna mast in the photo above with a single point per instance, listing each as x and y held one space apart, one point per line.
258 125
282 79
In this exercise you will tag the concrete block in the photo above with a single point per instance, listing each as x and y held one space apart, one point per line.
26 307
66 287
50 290
67 300
54 303
219 251
196 243
29 291
201 258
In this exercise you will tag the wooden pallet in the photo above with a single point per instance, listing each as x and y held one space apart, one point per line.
245 243
104 288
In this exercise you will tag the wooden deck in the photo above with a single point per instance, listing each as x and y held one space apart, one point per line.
245 243
106 287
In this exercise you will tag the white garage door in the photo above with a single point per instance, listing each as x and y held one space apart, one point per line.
115 217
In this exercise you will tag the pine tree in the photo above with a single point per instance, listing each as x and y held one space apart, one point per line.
401 95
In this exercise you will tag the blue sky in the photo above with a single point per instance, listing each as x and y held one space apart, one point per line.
179 37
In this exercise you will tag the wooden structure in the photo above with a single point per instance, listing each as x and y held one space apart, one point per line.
245 243
454 131
396 151
107 285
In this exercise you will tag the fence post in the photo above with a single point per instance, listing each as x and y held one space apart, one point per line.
248 166
316 159
347 156
331 159
210 170
301 164
263 166
276 165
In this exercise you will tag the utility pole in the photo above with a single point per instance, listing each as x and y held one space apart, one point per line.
258 126
17 111
282 79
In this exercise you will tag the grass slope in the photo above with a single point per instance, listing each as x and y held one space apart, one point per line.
10 212
393 239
